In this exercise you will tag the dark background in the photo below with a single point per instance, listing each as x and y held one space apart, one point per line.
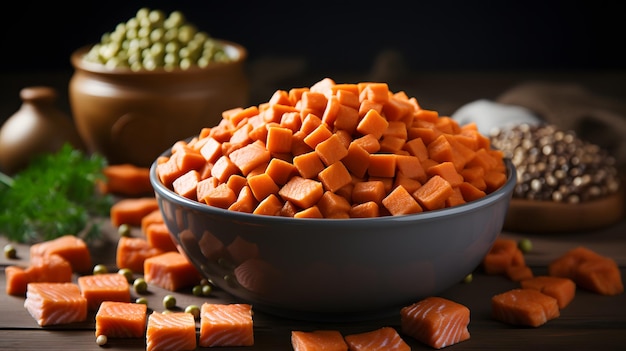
296 43
345 35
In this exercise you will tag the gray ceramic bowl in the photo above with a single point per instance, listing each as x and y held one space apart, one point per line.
335 269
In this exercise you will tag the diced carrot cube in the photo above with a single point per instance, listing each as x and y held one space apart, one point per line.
367 105
382 165
223 169
249 157
400 202
365 210
262 185
279 139
186 184
281 171
432 195
372 123
308 165
220 196
447 171
270 206
374 91
369 143
417 148
318 135
411 167
334 176
302 192
356 160
311 212
331 150
470 192
332 205
366 191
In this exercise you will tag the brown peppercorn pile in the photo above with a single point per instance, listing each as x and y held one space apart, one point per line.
555 165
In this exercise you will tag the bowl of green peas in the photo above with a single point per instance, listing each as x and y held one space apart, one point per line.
154 79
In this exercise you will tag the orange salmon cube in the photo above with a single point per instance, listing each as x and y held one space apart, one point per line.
436 322
385 338
327 340
226 325
170 270
55 303
104 287
121 319
526 307
70 247
171 331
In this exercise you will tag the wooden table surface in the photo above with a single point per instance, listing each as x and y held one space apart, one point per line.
591 321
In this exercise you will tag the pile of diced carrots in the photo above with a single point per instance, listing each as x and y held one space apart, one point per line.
334 151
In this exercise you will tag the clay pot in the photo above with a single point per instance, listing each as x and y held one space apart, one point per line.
38 127
134 116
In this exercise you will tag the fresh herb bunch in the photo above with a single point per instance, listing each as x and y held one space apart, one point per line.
55 195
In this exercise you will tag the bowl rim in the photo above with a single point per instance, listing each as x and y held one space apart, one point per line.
235 50
505 190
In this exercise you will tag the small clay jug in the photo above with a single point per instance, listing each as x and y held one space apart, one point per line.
134 116
37 127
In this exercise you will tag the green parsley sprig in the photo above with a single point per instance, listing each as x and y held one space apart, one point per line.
55 195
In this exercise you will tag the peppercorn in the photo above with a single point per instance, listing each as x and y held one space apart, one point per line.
556 165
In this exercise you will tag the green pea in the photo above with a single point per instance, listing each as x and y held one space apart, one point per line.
10 251
100 269
468 278
140 285
525 245
206 290
150 27
127 273
124 230
194 310
169 301
142 300
197 290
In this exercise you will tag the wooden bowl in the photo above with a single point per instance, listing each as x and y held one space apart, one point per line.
552 217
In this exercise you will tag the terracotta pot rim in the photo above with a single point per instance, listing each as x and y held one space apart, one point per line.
78 63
